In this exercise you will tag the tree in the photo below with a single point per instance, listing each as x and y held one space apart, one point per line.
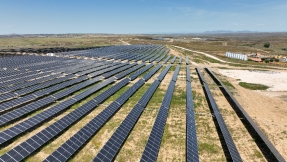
267 61
267 45
276 60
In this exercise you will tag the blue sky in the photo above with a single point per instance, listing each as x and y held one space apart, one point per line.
141 16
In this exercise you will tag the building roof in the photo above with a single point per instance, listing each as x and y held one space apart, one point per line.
256 59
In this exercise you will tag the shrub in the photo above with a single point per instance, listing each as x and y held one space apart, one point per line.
267 45
253 86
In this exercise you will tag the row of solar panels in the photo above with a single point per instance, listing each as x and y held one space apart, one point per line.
148 53
223 133
29 62
45 50
39 83
48 68
112 51
153 144
60 64
191 138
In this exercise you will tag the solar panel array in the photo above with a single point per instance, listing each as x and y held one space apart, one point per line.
191 138
36 89
15 114
32 122
40 138
93 126
113 145
133 52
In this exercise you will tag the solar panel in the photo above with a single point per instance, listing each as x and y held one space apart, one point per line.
180 60
160 58
165 60
141 71
106 75
97 73
162 75
188 74
157 55
152 72
173 59
174 77
121 75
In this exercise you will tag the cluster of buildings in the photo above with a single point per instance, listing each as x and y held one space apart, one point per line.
257 57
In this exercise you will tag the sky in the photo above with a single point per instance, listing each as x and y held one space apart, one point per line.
141 16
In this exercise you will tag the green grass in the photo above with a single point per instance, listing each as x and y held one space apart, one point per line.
253 66
208 148
197 61
258 154
209 59
172 68
253 86
228 84
179 98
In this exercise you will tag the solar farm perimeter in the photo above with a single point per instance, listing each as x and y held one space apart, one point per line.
121 103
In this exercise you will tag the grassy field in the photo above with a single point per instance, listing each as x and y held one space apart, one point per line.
57 42
220 43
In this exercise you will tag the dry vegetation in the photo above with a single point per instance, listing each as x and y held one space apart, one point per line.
78 42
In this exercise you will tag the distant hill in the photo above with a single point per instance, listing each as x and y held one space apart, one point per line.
228 31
